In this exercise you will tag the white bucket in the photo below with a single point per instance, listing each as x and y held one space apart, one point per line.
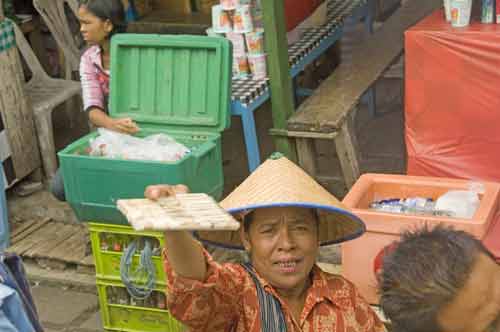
460 12
240 65
220 20
447 10
258 66
255 42
238 42
242 19
229 4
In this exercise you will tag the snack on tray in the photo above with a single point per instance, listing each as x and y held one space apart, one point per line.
180 212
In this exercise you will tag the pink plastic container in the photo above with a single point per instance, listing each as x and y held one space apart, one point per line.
384 228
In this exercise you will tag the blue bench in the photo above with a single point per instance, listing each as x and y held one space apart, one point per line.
248 95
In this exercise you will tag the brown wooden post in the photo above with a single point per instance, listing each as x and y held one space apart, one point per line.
16 112
279 73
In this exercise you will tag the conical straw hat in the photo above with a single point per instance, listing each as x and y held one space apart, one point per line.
278 182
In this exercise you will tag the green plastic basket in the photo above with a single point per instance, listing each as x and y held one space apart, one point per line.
132 317
107 261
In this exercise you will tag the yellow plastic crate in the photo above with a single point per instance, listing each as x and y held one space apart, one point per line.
107 257
119 312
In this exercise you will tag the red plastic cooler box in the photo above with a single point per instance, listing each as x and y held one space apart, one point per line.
383 228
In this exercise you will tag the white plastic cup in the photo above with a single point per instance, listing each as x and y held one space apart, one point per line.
240 65
460 13
258 66
242 19
255 42
447 10
229 4
220 20
238 41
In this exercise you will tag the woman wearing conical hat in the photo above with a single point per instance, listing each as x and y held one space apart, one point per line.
285 217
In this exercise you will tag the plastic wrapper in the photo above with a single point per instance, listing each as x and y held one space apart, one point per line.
158 147
452 103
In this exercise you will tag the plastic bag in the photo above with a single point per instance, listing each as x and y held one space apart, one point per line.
158 147
460 203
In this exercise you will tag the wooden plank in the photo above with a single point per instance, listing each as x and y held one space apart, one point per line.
279 72
71 250
52 241
34 239
326 110
88 261
18 227
347 151
19 236
306 153
77 252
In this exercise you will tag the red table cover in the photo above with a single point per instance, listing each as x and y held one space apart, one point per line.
297 11
452 99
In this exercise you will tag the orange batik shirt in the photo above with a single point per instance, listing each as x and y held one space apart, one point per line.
227 301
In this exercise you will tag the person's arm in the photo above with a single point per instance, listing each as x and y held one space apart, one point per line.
93 99
100 119
184 253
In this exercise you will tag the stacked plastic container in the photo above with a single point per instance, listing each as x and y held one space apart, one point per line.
240 21
178 85
119 310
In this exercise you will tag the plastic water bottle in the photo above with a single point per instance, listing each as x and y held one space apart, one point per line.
488 11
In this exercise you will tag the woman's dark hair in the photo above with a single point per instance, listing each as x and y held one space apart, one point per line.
423 273
111 10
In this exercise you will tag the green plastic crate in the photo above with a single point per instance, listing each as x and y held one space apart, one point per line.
107 262
136 317
178 85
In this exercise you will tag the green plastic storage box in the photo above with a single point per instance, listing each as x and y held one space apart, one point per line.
178 85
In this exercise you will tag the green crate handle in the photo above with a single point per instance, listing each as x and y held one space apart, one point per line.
201 152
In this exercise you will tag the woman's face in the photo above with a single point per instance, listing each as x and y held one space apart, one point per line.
283 245
94 30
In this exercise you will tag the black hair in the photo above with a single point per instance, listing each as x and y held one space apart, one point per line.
111 10
423 274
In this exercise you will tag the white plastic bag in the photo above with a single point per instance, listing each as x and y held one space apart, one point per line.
158 147
460 203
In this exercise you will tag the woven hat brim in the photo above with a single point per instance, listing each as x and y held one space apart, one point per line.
336 226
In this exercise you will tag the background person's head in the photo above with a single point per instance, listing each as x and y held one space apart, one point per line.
282 243
440 280
100 20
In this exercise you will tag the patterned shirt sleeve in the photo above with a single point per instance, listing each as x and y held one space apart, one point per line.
211 305
365 316
92 93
